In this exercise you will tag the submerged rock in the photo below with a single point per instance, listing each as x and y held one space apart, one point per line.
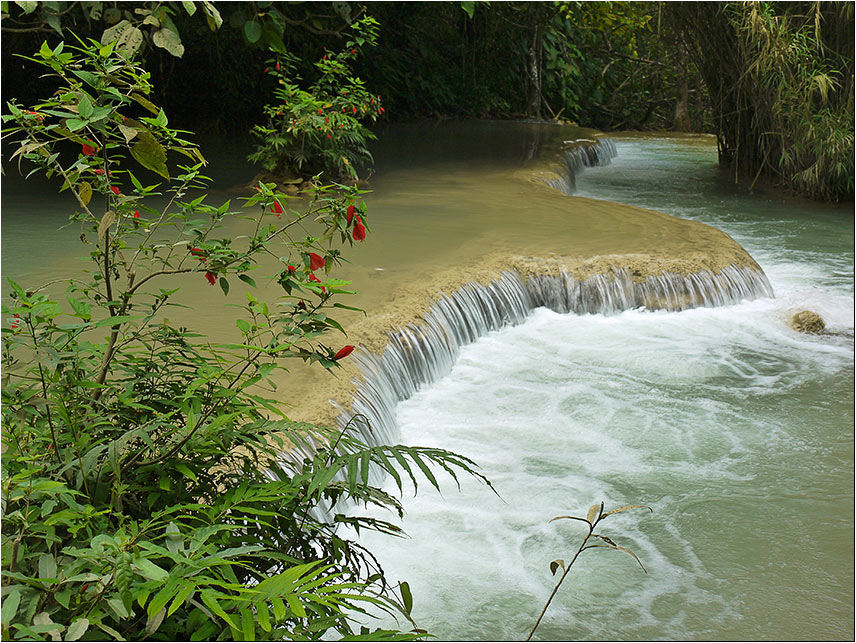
806 321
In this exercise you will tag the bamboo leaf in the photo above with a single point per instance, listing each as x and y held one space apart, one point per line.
407 597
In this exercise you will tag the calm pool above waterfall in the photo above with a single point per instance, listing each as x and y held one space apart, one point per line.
735 429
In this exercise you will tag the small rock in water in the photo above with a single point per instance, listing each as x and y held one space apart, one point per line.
806 321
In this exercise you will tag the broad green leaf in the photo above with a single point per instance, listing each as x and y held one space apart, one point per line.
128 132
469 8
148 569
169 40
145 102
47 566
252 31
84 191
247 279
224 285
150 154
189 7
27 5
118 606
112 33
77 629
10 606
130 40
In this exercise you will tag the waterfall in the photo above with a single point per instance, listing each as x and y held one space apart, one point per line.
579 154
421 354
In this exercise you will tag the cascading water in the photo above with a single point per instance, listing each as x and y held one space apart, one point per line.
579 154
422 354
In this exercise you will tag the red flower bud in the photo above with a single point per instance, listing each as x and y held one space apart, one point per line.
115 190
199 253
381 110
88 150
344 352
136 214
320 111
99 171
355 109
326 119
316 261
359 231
328 136
38 116
267 69
351 211
277 66
291 269
211 277
276 208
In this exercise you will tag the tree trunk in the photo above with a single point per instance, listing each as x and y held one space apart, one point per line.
682 100
533 107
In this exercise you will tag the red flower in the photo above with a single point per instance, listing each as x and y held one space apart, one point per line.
328 136
38 116
136 214
344 352
381 111
317 281
211 277
267 69
88 150
199 253
277 66
316 261
291 269
355 109
326 119
359 231
276 208
343 110
351 211
99 171
115 190
15 327
320 111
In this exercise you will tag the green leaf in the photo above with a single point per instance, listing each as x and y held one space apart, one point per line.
148 569
469 8
189 7
247 279
10 606
75 124
77 629
252 31
118 606
224 285
27 5
264 615
243 325
150 154
169 40
248 624
47 566
210 600
407 597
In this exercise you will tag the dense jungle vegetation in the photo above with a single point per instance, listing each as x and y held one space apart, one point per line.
145 495
774 81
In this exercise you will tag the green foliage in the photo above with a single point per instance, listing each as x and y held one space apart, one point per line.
593 517
150 489
133 28
781 82
320 128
